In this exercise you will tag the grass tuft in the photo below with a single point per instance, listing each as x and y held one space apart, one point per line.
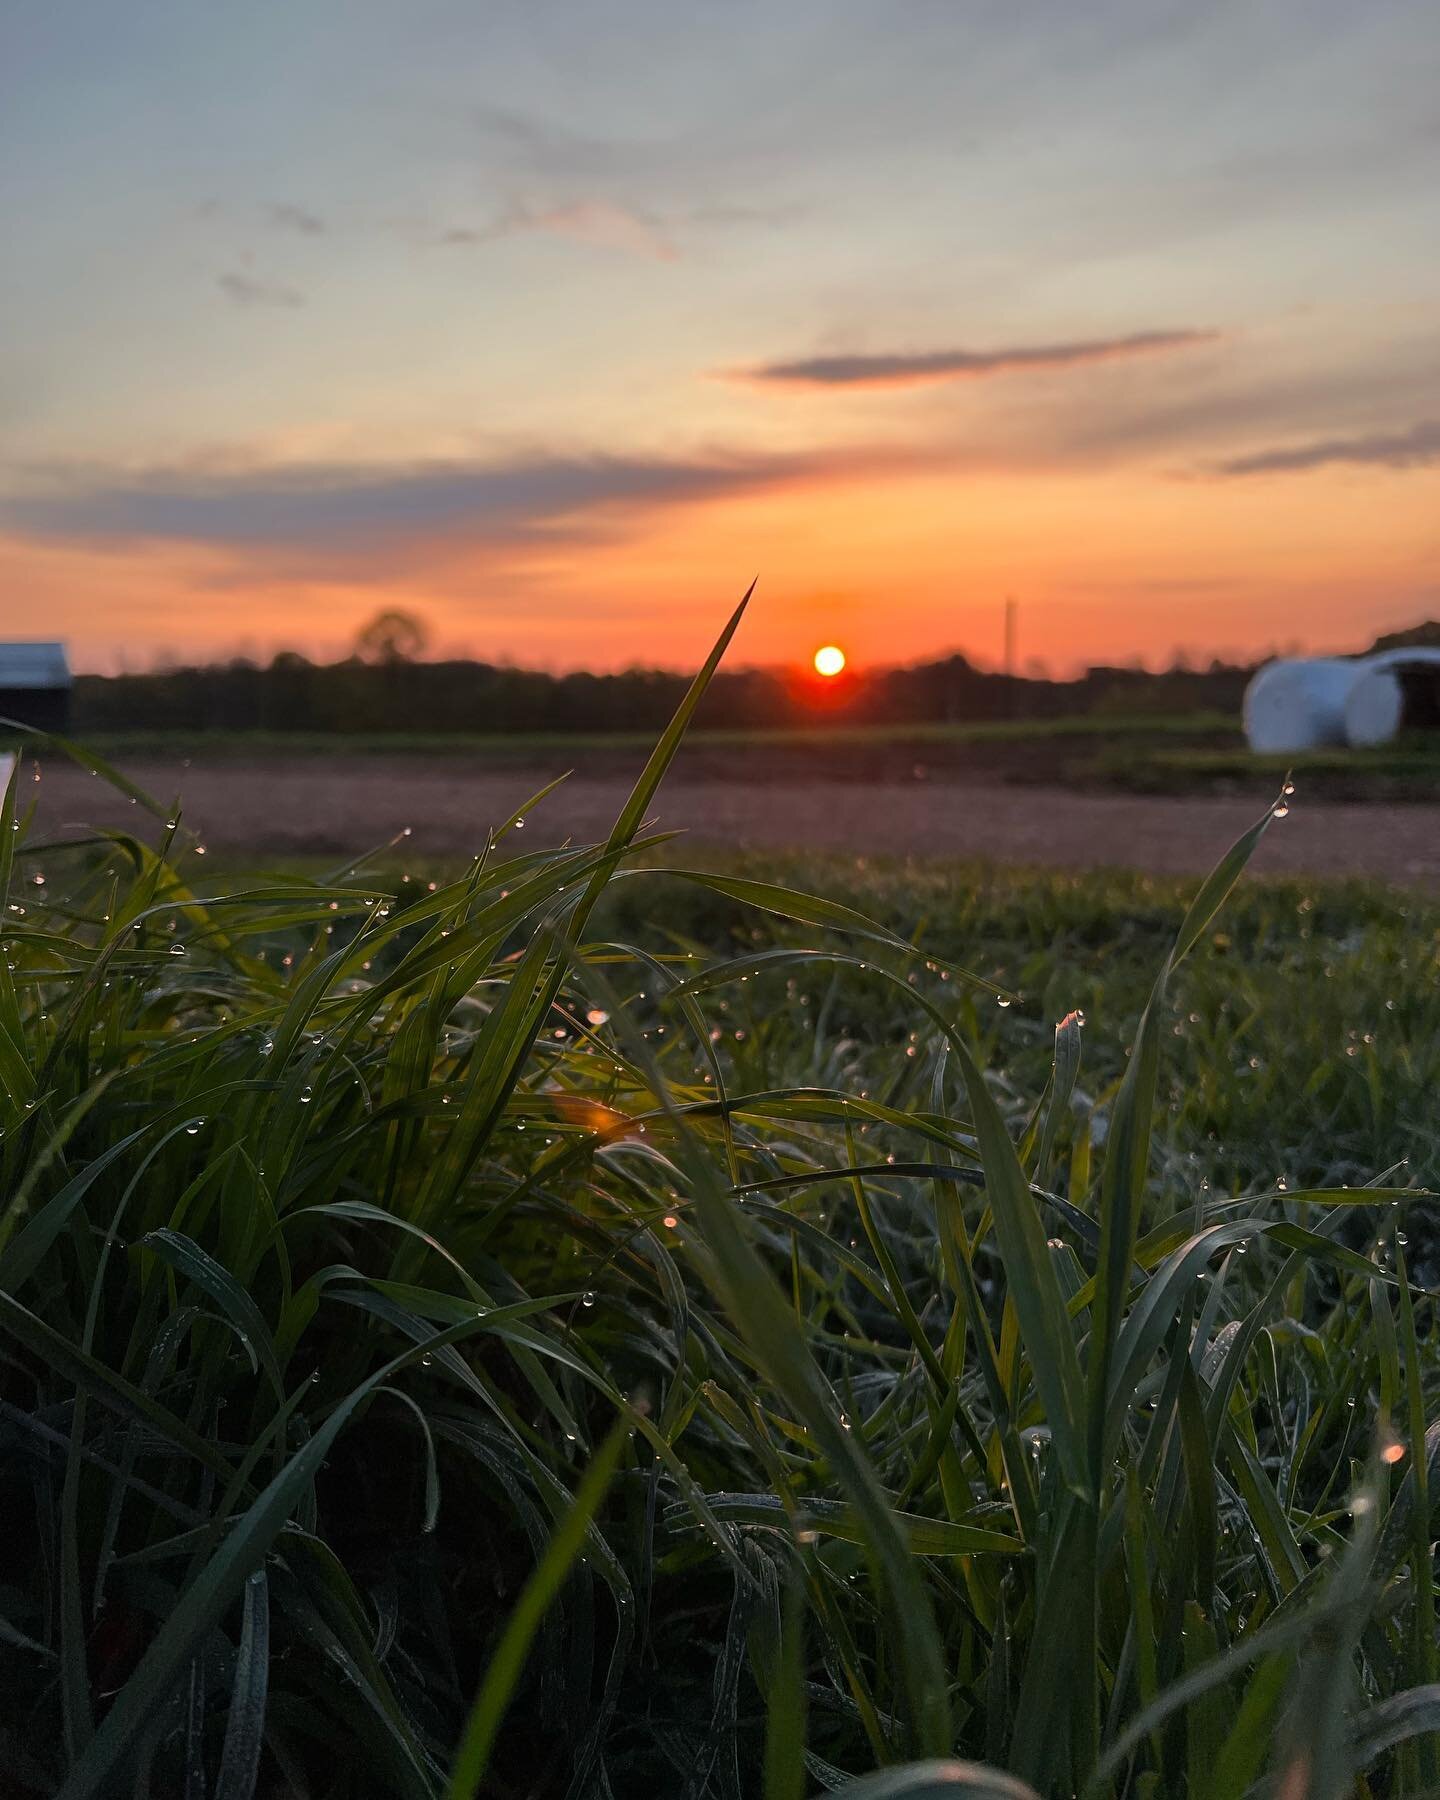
574 1330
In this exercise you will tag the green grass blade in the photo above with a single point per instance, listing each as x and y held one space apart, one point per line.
504 1668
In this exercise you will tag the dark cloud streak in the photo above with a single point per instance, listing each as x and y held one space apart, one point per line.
288 217
911 370
1416 448
329 505
253 290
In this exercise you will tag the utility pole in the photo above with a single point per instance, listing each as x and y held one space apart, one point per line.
1011 623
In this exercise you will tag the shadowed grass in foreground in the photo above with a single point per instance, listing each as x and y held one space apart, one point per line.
405 1301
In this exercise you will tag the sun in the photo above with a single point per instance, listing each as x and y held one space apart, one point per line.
829 660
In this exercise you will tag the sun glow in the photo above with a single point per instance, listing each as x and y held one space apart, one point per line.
829 660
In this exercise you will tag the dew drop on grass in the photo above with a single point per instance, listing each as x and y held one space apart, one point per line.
1002 999
305 1096
519 824
193 1127
588 1298
1280 810
177 949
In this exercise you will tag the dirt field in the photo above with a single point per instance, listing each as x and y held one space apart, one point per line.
328 805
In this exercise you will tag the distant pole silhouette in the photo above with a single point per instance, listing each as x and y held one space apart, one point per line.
1011 625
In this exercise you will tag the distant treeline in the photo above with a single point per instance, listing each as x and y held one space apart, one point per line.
398 695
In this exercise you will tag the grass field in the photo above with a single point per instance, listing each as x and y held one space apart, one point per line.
579 1330
1406 770
555 746
1181 754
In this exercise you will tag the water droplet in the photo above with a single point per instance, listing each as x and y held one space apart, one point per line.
588 1297
670 1222
1280 810
194 1126
1002 999
596 1016
519 824
177 949
305 1096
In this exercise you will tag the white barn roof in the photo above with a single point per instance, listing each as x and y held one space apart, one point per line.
33 665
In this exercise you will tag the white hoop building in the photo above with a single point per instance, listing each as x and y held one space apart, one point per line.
1308 703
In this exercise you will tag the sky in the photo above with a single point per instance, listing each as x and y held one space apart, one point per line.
555 324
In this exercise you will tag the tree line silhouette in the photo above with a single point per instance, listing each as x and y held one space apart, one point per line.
358 697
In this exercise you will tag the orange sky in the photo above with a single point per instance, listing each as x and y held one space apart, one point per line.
558 330
893 567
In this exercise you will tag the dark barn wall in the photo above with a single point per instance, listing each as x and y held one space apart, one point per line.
47 709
